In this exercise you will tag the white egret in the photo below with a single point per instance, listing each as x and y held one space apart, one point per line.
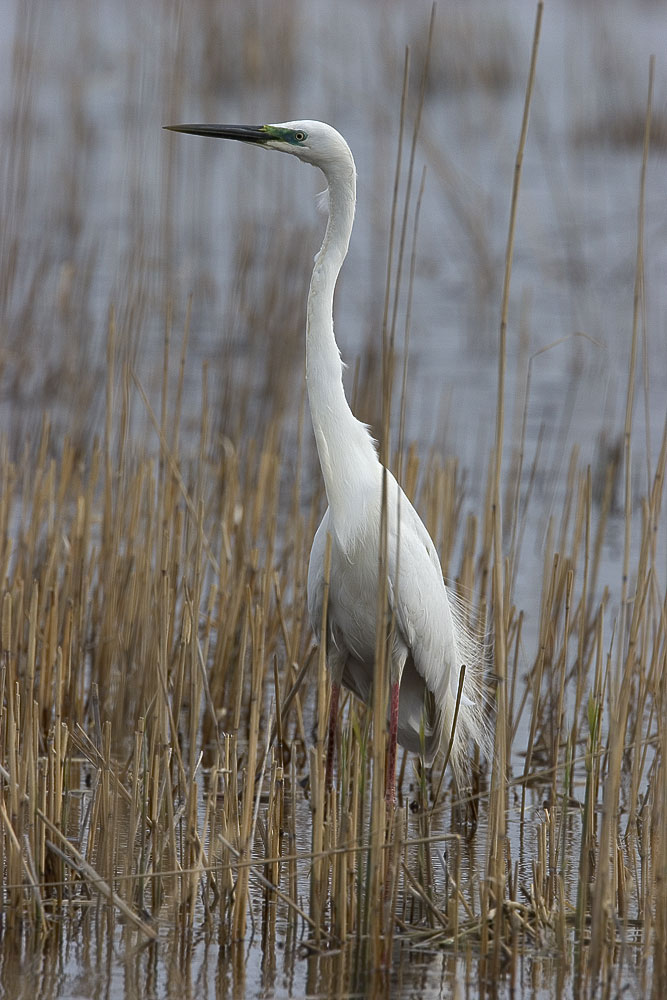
430 642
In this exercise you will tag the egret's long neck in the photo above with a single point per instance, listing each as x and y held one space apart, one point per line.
346 451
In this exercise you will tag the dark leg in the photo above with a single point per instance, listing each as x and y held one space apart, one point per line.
390 793
331 745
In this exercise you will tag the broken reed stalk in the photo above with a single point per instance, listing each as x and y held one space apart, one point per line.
319 880
256 679
621 693
497 817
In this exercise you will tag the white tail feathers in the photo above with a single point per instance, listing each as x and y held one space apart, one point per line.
472 721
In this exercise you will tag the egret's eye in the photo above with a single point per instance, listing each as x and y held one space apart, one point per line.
300 136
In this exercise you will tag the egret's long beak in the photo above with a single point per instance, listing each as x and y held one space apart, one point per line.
246 133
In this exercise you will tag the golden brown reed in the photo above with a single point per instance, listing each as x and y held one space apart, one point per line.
154 625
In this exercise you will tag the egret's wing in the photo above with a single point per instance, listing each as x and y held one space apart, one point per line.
423 620
439 643
419 600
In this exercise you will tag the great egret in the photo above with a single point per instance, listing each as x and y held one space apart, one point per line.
430 642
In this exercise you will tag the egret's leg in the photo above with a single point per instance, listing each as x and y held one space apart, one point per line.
390 793
336 659
333 719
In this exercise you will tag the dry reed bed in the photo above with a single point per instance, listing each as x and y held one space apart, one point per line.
159 774
152 626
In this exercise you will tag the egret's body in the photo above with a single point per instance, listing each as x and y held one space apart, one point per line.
423 646
429 646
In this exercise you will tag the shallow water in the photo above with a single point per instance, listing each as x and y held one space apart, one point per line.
99 176
91 956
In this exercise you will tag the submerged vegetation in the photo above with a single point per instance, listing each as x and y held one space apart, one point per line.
163 707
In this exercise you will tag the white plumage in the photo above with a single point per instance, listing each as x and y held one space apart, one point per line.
431 643
431 640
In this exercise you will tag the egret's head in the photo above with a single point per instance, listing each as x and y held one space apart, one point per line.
313 142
